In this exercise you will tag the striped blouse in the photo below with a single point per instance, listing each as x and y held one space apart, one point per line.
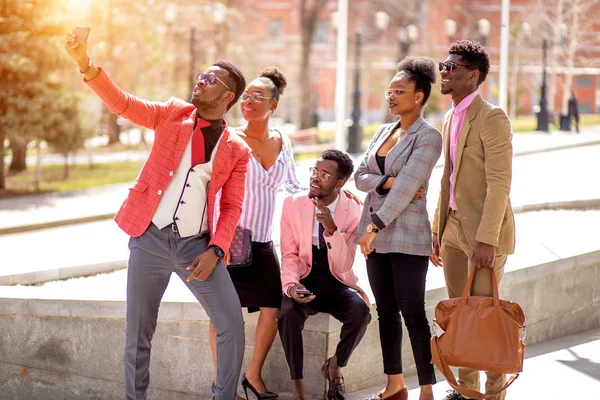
261 190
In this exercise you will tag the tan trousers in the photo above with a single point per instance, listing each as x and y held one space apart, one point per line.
456 255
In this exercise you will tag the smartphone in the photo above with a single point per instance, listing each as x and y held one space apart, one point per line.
304 292
81 33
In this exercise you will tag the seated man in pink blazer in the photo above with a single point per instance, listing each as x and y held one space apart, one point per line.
317 246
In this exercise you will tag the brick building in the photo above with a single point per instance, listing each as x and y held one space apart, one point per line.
276 37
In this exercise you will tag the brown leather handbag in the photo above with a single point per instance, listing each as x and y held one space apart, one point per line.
480 333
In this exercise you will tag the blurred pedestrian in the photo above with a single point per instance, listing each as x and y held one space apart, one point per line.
574 110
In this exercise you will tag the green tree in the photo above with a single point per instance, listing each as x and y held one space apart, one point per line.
63 129
29 62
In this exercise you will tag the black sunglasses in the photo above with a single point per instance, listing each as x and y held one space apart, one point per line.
210 78
450 65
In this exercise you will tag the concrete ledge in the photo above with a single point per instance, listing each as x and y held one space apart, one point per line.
54 224
72 349
61 273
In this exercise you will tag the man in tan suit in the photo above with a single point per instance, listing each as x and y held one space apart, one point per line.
473 226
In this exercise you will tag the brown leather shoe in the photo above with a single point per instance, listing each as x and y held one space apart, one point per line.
401 395
337 389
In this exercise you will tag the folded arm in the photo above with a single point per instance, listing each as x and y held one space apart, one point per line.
411 177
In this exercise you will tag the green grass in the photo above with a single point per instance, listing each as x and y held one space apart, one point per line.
528 124
80 177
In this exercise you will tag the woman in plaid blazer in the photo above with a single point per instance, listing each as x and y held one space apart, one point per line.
394 231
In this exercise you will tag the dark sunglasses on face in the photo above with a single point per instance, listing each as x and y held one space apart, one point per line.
210 78
449 66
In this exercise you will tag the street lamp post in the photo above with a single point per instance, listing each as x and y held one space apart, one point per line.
483 28
542 117
407 35
355 134
355 130
450 28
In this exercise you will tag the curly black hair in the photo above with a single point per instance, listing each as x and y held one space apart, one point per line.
421 71
345 165
275 79
236 79
474 55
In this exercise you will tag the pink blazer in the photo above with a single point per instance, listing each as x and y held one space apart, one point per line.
172 122
297 218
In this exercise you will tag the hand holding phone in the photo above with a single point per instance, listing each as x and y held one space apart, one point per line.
81 34
301 295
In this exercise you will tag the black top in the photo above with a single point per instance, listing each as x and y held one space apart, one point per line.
211 134
320 279
380 162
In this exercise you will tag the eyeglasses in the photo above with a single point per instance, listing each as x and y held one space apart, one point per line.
396 92
254 97
450 65
323 176
210 78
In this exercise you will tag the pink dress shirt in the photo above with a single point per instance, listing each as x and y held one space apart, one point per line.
456 122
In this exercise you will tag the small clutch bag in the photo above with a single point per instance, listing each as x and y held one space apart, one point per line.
241 248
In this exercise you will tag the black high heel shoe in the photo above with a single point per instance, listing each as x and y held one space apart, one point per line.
259 396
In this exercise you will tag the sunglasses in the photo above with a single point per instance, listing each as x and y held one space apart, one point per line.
254 97
449 66
323 176
396 92
210 78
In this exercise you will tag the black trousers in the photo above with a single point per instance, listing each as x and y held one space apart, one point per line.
398 284
343 304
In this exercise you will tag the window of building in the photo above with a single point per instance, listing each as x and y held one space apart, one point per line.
321 32
275 29
584 81
585 108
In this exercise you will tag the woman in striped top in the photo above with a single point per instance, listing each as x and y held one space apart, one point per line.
270 167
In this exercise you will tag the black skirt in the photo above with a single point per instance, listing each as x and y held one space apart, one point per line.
259 284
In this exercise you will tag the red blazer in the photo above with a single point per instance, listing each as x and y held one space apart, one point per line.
172 122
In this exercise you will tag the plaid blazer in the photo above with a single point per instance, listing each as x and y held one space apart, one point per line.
407 227
172 122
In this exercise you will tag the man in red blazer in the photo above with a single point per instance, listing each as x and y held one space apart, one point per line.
169 212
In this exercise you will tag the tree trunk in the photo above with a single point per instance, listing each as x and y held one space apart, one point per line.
113 129
66 166
572 41
309 13
19 154
2 165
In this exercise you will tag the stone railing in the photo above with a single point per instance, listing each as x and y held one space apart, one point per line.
72 349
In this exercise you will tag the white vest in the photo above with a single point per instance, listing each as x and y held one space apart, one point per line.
184 201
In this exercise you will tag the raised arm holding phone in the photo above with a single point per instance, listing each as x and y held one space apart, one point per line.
169 211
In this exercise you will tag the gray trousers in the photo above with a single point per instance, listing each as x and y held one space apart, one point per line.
154 256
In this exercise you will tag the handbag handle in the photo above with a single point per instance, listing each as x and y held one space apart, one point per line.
439 361
467 290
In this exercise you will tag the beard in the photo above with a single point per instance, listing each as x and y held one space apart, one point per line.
207 105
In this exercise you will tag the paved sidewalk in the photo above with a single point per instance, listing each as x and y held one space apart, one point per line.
30 212
563 369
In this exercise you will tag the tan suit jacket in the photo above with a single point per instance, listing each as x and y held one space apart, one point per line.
482 178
